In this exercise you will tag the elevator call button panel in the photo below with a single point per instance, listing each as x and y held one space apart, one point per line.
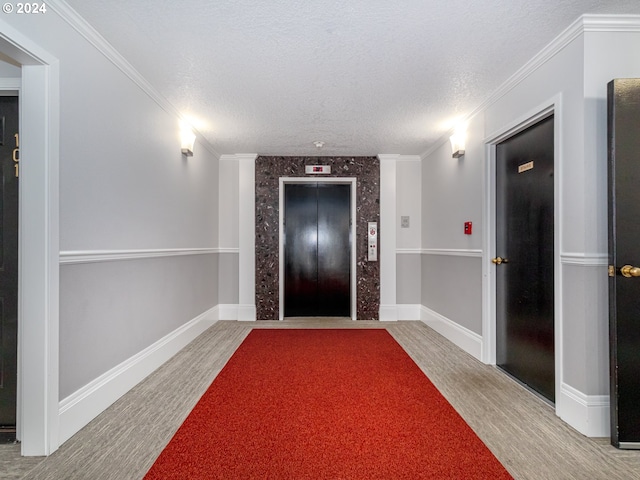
372 235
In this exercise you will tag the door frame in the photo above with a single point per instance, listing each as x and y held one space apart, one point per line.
551 107
351 181
38 250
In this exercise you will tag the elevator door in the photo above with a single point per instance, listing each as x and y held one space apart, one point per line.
524 265
317 250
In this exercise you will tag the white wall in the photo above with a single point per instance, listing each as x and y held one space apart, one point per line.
452 194
408 240
138 222
9 71
229 231
571 74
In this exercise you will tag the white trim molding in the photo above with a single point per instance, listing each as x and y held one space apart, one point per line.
72 257
589 414
38 289
408 251
353 183
552 106
228 311
611 23
246 313
409 158
408 311
585 259
387 236
454 252
228 250
246 235
82 406
388 313
464 338
10 84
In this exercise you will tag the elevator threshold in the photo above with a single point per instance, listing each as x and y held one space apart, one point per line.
318 319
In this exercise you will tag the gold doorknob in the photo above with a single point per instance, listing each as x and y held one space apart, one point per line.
629 271
499 260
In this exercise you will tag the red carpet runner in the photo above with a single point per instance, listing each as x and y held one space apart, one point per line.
324 404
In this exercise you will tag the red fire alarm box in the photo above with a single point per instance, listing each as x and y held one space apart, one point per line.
467 228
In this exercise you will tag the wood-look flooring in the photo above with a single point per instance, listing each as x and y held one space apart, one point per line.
519 428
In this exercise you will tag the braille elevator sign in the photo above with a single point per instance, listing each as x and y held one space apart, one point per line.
525 166
317 169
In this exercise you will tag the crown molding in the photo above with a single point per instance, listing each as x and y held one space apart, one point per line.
585 23
90 34
409 158
611 23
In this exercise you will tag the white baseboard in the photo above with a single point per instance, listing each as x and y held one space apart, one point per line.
589 414
387 313
408 312
228 311
82 406
246 313
464 338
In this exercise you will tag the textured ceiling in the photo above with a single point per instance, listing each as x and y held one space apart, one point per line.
364 76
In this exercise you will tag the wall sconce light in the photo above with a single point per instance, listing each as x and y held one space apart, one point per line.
188 138
457 142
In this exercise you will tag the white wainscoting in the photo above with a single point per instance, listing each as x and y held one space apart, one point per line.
93 256
228 312
409 312
388 313
584 259
82 406
464 338
589 414
454 252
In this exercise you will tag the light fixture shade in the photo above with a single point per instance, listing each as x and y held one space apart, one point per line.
188 139
457 143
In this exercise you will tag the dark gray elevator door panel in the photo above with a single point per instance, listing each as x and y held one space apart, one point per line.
317 250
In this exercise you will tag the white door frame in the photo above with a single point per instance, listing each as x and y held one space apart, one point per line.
38 264
321 180
548 108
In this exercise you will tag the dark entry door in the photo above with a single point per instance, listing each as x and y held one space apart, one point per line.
8 265
624 260
317 250
524 262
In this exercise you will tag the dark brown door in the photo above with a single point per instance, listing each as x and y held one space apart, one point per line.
8 265
317 250
525 253
624 260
